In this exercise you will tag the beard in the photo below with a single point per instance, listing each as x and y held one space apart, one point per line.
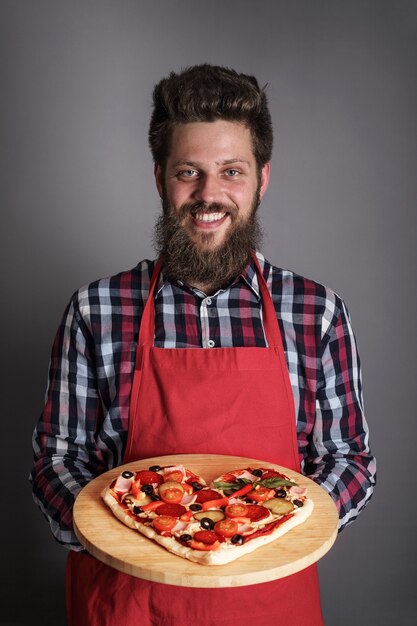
198 265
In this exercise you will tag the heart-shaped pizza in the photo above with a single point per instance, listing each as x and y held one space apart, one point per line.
210 524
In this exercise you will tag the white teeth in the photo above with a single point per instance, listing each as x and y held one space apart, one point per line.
209 217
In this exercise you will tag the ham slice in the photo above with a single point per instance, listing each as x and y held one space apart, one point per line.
175 468
246 474
122 484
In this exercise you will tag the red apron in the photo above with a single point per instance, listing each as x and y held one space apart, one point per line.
222 401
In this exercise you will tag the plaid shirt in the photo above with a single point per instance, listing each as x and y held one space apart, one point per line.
82 431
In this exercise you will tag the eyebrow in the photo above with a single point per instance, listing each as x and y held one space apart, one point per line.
225 162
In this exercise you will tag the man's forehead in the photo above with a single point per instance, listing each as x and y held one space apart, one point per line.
220 141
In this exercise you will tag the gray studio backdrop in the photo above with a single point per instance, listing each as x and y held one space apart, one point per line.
78 202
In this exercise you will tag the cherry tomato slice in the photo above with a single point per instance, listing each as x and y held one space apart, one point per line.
261 494
172 495
239 509
226 528
164 522
176 475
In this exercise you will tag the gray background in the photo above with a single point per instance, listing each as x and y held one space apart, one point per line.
78 202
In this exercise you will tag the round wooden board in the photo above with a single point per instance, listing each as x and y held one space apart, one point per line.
106 538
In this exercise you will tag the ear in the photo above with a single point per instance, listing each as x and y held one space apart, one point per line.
158 178
265 172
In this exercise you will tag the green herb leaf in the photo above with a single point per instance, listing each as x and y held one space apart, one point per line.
274 483
232 487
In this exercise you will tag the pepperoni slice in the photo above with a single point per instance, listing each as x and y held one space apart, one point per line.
255 512
172 510
206 536
267 530
147 477
204 495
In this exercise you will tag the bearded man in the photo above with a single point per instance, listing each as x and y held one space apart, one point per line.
195 353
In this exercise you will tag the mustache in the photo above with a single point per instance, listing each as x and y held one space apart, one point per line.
203 207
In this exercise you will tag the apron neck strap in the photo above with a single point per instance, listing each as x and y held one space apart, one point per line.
269 316
269 319
147 323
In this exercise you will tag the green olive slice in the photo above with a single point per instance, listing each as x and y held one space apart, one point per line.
129 500
216 515
279 506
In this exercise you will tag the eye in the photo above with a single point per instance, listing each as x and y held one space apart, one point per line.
187 174
232 173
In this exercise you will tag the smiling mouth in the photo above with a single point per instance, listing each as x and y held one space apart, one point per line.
209 217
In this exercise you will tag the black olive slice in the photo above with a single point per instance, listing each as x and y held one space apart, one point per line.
148 489
127 474
280 493
298 503
237 540
185 538
207 523
154 468
196 486
137 510
196 507
257 472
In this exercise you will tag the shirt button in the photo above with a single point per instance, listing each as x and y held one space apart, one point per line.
208 301
211 343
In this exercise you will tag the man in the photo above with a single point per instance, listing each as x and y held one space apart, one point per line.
277 375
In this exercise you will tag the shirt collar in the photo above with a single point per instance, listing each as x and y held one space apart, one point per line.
249 275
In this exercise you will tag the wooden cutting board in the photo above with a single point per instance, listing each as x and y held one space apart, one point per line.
110 541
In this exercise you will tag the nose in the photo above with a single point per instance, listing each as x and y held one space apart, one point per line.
208 189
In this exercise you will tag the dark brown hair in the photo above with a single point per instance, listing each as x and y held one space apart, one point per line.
204 93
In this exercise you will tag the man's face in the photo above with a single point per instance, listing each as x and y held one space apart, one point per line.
211 181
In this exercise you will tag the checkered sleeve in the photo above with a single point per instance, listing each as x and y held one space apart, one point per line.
340 459
66 456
